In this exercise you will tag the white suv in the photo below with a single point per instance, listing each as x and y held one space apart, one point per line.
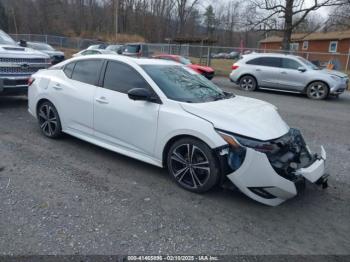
287 73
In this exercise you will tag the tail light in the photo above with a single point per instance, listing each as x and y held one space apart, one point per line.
31 81
234 67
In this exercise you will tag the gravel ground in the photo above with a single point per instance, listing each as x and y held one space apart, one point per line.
69 197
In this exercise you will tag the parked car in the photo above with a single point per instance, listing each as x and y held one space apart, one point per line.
98 46
114 48
162 113
206 71
287 73
17 64
135 49
55 55
231 55
93 52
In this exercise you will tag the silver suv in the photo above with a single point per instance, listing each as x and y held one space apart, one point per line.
287 73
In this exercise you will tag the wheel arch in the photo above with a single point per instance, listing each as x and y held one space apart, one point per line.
248 74
172 140
39 103
313 81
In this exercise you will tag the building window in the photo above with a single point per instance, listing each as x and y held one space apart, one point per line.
294 46
305 45
333 46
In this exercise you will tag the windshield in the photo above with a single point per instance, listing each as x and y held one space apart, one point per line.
184 61
183 84
5 39
40 46
308 63
113 47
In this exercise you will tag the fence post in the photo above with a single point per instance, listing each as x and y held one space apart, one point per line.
347 62
46 39
307 55
209 56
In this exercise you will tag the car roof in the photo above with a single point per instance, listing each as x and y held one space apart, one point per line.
126 59
268 54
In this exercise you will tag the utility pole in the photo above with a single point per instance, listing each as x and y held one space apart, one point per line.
116 20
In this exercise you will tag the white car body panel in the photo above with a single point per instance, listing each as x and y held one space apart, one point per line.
142 129
242 115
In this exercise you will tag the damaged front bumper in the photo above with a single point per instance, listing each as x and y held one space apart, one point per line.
259 177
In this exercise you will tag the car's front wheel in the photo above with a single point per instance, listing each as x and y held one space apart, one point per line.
317 90
49 120
247 83
192 165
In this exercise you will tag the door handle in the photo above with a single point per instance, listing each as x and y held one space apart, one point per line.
258 70
102 100
57 86
284 72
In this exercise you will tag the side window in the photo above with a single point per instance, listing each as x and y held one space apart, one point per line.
255 61
290 63
68 69
121 78
266 61
271 61
87 71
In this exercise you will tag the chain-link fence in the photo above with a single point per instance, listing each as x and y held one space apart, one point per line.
58 41
220 58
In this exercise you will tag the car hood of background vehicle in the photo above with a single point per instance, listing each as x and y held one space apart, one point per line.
202 68
334 72
18 51
53 53
243 116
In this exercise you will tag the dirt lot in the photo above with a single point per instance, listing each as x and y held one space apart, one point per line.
67 196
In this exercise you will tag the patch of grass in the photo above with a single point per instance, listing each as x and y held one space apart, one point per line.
222 66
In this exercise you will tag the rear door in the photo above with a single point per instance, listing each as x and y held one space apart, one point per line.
266 69
74 93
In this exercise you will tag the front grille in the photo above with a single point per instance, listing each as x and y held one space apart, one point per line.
19 70
23 60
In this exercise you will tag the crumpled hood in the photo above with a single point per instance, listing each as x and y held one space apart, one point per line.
19 51
334 72
241 115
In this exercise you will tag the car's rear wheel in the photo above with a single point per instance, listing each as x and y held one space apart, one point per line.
317 90
192 165
247 83
49 120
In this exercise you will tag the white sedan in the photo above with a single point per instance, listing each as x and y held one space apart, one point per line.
165 114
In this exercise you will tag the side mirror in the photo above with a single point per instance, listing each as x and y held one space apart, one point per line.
142 94
119 52
301 69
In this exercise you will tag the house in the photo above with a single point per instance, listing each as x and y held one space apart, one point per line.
321 47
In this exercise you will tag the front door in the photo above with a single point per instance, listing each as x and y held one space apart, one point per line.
119 120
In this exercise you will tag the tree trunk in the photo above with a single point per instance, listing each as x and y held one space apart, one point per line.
288 25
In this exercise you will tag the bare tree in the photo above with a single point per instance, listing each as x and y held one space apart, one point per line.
286 15
184 9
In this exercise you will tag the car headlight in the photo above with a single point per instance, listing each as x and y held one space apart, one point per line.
237 141
336 78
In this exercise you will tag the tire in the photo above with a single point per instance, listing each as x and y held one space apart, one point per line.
187 171
49 120
247 83
317 90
